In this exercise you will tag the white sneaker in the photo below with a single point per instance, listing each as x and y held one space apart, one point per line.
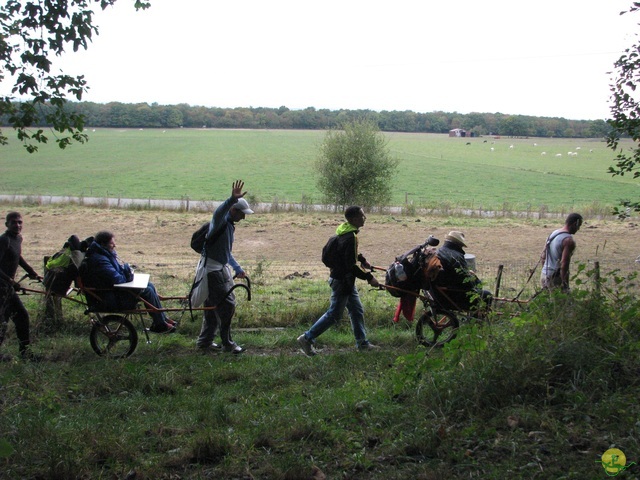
306 346
234 348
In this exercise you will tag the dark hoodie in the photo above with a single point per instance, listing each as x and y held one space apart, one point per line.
348 251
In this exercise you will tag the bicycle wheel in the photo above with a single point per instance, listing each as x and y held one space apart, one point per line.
436 331
113 336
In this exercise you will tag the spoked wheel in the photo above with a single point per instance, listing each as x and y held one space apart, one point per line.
436 331
113 336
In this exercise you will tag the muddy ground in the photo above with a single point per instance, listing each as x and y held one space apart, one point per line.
159 240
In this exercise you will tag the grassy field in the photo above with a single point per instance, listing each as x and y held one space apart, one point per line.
542 395
435 170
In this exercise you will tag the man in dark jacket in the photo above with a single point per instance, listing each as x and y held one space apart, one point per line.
343 289
101 270
10 304
460 285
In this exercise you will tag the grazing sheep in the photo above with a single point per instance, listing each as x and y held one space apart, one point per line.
558 154
543 153
510 146
492 149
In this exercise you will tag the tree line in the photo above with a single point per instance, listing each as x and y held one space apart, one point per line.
144 115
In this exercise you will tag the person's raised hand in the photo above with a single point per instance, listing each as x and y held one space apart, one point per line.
236 189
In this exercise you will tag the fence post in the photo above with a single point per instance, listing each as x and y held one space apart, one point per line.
596 275
498 280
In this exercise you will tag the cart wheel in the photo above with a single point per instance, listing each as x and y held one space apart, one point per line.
436 331
113 336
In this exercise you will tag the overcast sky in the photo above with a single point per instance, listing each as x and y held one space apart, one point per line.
544 58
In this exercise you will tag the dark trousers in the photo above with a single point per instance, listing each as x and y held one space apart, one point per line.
218 320
115 300
11 307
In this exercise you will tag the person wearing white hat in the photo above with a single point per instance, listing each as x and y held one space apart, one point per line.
220 262
457 282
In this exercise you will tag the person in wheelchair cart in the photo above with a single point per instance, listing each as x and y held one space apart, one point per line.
101 269
457 287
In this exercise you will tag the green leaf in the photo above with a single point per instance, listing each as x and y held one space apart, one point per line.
6 449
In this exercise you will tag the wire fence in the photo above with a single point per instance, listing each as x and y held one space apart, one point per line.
285 294
516 278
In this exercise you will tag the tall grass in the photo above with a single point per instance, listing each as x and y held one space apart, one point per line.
544 394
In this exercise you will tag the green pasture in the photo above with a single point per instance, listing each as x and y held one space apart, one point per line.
435 171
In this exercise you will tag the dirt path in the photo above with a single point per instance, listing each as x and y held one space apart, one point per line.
162 237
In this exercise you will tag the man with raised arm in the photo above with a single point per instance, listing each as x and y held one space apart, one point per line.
219 265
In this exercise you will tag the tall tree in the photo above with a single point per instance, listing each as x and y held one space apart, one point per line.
32 33
355 166
625 118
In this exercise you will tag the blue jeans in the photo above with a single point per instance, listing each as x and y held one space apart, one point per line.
343 294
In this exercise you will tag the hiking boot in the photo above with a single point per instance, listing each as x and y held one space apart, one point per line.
306 346
367 346
234 348
162 328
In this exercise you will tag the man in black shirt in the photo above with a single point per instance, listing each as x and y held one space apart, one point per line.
11 306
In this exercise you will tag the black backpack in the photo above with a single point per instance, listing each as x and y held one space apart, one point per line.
411 267
330 253
412 263
199 238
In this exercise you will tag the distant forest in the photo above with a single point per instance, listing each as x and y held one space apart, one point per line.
143 115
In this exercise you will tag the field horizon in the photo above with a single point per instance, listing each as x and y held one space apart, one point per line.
436 171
